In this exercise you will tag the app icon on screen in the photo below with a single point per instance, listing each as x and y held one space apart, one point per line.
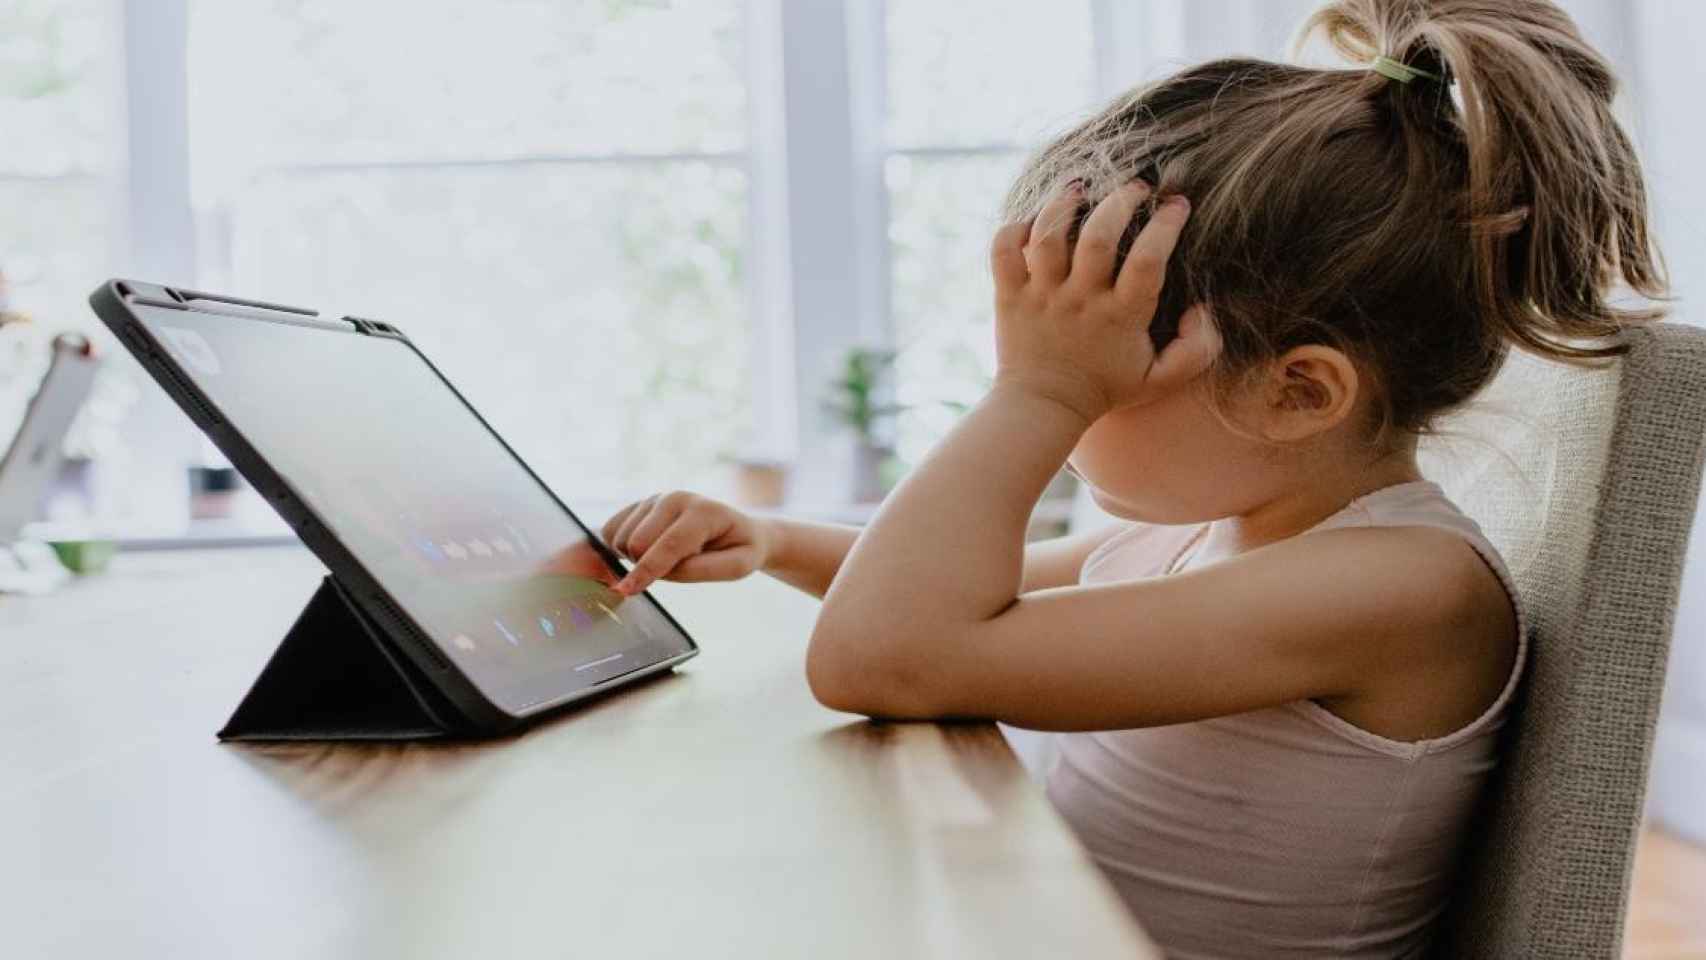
611 613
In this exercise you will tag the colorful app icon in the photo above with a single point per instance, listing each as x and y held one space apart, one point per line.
547 627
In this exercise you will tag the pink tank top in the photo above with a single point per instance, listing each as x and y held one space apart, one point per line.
1286 831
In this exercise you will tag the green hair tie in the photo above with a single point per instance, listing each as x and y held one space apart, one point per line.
1401 72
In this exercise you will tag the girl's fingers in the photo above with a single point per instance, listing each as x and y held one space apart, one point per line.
730 564
1145 265
664 515
1007 256
1046 252
1099 239
608 532
1193 351
675 544
625 532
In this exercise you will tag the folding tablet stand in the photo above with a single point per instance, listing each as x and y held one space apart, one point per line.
334 678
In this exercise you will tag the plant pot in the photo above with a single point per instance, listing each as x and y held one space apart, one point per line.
869 460
760 483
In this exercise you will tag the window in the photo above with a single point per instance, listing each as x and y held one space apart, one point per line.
550 198
967 100
559 202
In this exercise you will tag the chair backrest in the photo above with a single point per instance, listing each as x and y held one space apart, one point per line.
1587 481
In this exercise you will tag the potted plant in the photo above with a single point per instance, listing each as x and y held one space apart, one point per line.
856 402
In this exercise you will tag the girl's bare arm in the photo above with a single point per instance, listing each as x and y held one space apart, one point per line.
686 537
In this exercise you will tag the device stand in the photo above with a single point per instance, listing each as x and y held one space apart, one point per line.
334 678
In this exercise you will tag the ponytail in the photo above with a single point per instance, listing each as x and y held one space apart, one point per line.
1554 197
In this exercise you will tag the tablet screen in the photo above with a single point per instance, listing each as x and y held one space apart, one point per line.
502 578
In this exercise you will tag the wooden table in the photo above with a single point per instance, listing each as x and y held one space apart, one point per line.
716 812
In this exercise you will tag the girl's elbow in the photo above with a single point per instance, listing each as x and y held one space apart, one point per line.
837 692
861 683
826 679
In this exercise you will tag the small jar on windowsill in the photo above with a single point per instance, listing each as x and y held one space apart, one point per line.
213 492
759 482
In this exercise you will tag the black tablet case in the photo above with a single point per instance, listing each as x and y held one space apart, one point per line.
342 672
334 678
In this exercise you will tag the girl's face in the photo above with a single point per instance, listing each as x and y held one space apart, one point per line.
1173 461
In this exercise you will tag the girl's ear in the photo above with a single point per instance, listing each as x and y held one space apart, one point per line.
1311 389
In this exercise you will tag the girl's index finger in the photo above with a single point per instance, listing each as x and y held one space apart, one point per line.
1146 265
653 564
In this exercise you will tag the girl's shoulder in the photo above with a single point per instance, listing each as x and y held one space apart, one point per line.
1465 668
1423 503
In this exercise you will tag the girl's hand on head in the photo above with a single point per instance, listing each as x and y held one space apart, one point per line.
1073 325
687 538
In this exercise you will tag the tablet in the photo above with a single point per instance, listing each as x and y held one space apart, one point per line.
495 589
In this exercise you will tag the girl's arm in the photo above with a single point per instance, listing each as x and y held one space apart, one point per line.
928 619
685 537
807 555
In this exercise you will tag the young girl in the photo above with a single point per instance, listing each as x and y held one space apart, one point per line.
1279 683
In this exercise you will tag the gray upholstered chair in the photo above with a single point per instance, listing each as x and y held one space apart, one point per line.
1588 486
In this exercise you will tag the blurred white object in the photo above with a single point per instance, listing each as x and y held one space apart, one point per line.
30 567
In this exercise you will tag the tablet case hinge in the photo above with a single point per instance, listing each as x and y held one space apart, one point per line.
374 328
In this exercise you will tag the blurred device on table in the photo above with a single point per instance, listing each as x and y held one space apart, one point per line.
32 461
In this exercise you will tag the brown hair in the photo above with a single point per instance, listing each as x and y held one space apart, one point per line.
1422 227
